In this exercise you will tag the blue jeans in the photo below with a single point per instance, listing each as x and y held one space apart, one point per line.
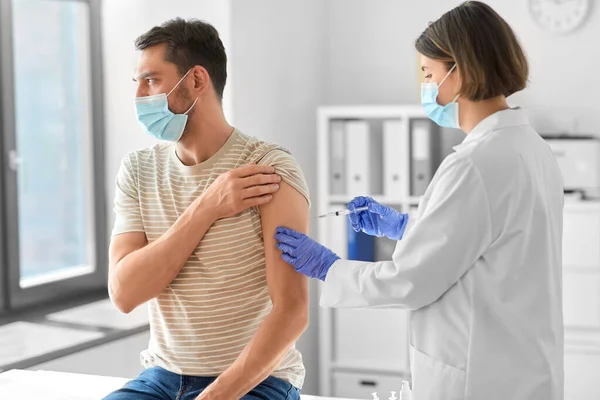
159 384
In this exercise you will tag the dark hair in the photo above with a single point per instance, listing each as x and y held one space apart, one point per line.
488 56
189 43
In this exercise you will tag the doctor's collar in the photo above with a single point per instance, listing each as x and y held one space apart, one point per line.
510 117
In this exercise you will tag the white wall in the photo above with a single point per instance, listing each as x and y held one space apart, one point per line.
122 23
276 63
372 59
563 93
370 53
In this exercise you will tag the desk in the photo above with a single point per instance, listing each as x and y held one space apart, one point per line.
47 385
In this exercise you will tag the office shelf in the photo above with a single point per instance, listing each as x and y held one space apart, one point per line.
348 336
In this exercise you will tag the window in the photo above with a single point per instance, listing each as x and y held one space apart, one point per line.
53 231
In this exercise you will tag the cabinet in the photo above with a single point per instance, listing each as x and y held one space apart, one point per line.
120 358
361 385
581 299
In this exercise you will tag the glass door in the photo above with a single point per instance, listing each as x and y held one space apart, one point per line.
55 227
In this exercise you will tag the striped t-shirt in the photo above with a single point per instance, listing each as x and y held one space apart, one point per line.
201 322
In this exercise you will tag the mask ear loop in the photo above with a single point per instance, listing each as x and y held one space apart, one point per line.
182 78
174 87
190 109
447 75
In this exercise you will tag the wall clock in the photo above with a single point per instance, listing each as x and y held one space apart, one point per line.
560 16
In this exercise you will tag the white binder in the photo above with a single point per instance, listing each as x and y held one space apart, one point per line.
358 158
395 154
421 156
337 150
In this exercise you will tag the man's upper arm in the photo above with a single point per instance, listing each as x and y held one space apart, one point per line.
128 231
128 213
289 208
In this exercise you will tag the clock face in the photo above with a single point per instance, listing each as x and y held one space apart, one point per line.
559 16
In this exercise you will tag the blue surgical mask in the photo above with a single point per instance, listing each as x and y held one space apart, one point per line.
157 120
445 116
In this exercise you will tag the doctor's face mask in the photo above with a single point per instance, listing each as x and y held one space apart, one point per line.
445 116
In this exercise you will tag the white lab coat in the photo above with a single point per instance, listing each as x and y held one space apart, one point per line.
480 268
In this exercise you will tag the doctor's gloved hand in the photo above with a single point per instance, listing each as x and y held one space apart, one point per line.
379 220
304 254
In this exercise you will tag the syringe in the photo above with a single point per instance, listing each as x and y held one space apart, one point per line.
343 212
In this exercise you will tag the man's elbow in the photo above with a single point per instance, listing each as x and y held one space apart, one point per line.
294 313
303 318
119 298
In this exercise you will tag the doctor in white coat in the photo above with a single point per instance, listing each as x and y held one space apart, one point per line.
480 265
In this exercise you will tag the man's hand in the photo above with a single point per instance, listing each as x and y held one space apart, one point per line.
138 272
240 189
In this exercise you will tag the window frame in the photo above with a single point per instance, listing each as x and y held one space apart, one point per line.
12 296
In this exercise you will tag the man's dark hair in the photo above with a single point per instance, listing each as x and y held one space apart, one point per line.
190 43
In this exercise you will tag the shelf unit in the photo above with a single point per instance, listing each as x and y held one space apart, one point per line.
361 351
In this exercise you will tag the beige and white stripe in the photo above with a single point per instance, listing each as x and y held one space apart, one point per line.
201 322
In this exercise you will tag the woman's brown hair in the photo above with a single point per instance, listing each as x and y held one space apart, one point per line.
488 56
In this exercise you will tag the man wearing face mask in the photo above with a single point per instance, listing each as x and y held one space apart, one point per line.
191 214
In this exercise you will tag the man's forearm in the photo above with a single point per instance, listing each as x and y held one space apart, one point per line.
280 329
144 273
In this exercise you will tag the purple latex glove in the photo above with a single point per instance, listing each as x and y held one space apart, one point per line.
304 254
378 220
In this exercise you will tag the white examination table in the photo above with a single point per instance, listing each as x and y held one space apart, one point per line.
46 385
